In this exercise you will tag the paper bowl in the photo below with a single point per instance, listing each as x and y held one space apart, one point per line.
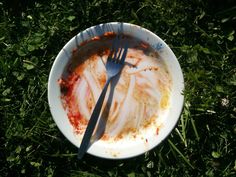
125 148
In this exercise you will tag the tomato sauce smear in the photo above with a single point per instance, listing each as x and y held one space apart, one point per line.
68 101
67 84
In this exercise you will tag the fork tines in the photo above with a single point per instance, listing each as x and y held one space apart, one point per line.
116 52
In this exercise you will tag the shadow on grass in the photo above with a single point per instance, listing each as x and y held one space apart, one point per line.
69 165
108 164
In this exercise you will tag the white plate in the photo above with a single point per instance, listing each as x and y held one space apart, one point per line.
124 148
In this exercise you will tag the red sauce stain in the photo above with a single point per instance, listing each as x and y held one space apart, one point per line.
102 79
105 137
68 100
146 140
74 50
96 38
74 119
103 52
109 34
120 136
144 45
157 131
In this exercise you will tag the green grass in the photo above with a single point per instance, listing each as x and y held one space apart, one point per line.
201 34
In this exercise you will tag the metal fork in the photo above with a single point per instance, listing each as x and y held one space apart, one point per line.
114 65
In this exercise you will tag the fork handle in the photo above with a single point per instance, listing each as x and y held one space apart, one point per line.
92 121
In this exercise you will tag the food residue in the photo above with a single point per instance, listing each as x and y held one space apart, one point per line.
134 100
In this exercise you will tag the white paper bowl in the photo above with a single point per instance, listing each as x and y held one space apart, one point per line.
125 148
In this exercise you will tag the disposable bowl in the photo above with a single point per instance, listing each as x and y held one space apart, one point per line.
125 148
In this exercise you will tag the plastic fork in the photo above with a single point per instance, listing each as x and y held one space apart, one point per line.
114 65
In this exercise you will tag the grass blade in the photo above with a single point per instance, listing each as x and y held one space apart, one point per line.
195 129
178 151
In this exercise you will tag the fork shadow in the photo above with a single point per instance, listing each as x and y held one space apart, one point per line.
102 121
101 126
